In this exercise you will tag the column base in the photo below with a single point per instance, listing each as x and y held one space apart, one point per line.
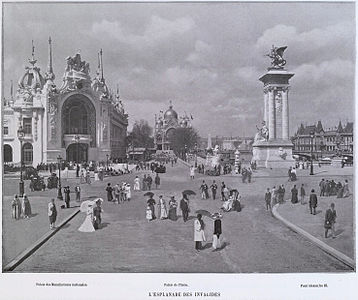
275 154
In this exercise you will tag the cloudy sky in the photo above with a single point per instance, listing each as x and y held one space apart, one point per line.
205 58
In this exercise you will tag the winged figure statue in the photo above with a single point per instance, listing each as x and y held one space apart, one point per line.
276 55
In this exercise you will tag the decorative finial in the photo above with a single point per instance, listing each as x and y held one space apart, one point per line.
32 60
170 104
101 56
12 90
49 73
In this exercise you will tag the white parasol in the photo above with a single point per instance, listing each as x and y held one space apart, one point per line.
86 204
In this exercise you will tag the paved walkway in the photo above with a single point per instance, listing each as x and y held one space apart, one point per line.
254 240
19 234
300 215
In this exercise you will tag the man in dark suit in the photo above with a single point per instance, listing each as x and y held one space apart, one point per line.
184 206
97 219
67 196
330 220
214 187
313 202
217 232
268 199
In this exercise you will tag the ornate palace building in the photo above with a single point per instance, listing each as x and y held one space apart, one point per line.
325 141
165 125
81 120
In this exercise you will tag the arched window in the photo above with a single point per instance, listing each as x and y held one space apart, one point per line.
27 153
7 153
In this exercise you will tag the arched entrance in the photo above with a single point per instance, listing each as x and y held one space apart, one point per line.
27 154
7 153
79 117
77 152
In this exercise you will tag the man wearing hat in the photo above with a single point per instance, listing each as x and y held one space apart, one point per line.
97 210
217 230
52 213
184 206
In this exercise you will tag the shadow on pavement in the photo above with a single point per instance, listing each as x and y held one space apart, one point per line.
104 225
339 231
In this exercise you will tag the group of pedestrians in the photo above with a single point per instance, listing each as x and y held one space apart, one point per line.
167 211
331 188
204 191
20 208
147 183
246 174
119 193
199 232
274 196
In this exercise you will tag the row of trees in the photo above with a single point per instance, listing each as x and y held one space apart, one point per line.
182 139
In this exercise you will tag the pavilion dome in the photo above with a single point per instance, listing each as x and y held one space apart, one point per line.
170 114
32 79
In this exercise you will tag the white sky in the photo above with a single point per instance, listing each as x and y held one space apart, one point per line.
206 58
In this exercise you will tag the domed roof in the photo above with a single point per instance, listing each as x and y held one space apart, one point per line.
170 113
32 79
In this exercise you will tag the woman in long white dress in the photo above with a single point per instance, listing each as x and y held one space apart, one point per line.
162 208
127 189
136 184
87 225
227 205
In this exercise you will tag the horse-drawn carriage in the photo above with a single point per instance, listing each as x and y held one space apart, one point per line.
37 183
52 181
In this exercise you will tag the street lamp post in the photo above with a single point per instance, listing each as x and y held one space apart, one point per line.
196 155
185 150
107 155
59 191
77 139
20 134
312 136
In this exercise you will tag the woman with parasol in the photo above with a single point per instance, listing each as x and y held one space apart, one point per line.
87 225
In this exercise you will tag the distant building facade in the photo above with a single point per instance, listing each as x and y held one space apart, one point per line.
81 121
165 126
325 141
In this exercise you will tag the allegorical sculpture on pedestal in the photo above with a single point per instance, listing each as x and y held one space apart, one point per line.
276 55
272 147
262 133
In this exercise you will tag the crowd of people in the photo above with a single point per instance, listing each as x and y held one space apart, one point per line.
274 196
119 193
331 188
165 211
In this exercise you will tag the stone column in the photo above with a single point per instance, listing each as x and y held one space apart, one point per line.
266 110
271 115
285 127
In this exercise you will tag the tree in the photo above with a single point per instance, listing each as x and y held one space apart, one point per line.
183 140
141 135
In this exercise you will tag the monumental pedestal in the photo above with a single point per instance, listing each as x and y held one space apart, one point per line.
273 154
